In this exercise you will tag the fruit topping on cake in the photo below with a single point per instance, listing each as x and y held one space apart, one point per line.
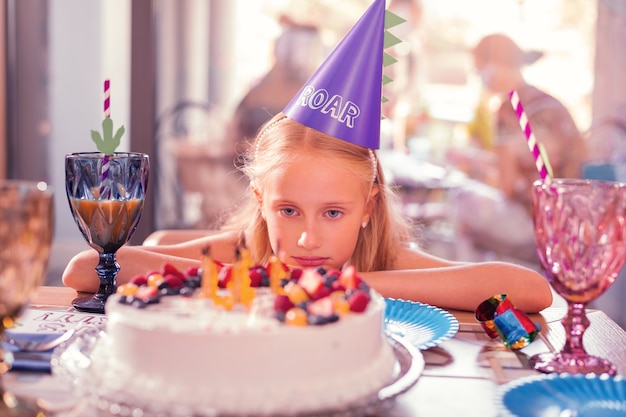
301 297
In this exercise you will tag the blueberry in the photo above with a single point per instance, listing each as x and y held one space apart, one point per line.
320 320
153 300
333 318
168 291
321 270
265 281
192 282
329 279
303 305
186 291
280 316
138 303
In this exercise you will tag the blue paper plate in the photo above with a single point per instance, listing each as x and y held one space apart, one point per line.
423 325
563 395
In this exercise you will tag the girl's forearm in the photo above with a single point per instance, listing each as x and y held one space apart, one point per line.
138 260
80 272
464 287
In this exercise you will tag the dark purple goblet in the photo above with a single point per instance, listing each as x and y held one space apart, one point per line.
106 195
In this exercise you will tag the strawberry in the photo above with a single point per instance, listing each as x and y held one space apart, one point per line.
311 281
322 291
146 293
336 285
322 307
223 277
349 279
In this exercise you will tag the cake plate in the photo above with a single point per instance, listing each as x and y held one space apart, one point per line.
71 363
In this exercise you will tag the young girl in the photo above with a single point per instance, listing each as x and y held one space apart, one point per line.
320 201
318 197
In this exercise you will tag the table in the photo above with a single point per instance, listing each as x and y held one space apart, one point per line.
460 377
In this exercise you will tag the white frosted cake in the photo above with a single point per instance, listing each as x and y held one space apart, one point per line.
186 354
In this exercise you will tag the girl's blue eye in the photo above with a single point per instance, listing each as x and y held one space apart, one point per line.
333 214
288 212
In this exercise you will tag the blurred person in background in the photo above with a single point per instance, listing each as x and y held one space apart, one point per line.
494 215
297 53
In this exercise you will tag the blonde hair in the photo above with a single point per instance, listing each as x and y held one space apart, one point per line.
283 141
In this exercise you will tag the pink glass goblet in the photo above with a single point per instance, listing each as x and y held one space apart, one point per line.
26 231
580 230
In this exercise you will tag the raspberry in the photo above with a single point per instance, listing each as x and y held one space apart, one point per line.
173 281
282 303
358 301
139 280
192 271
256 276
295 274
168 269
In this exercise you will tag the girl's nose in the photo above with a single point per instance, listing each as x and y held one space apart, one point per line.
308 239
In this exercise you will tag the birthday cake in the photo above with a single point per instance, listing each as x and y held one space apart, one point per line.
305 341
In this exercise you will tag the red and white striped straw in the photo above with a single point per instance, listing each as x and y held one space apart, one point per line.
541 161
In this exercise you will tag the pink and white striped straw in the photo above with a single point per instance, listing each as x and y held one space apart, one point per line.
106 163
541 161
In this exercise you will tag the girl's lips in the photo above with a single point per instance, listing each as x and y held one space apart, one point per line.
310 261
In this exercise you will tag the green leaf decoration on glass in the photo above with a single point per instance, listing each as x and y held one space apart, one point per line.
107 142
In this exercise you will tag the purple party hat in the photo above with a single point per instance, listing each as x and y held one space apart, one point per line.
343 97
